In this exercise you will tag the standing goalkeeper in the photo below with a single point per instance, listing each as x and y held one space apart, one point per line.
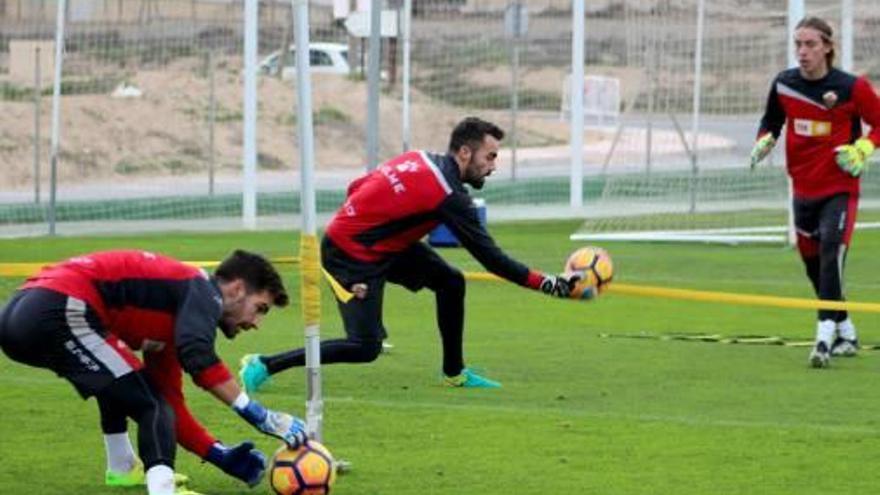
84 317
822 109
375 236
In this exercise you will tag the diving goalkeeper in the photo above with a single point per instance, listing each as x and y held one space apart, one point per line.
374 238
822 109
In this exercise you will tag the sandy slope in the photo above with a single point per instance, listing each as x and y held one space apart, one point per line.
166 131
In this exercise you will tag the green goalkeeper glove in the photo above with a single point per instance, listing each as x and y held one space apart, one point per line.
762 148
853 158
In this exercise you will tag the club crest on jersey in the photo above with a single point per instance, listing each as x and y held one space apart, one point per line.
829 99
812 128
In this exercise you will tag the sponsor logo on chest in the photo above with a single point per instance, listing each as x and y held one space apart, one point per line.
812 128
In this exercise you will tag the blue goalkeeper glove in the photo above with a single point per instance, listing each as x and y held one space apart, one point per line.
762 148
277 424
559 285
241 461
853 158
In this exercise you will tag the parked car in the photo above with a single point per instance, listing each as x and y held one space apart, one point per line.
324 58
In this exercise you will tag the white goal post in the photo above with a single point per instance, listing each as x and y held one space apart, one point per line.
601 100
705 67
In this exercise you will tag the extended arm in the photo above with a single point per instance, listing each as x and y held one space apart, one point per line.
241 461
459 214
195 331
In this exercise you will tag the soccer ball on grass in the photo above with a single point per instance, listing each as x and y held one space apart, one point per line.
309 470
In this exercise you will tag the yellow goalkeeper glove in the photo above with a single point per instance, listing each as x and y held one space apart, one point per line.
762 148
853 158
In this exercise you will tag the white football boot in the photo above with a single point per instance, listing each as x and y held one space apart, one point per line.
847 342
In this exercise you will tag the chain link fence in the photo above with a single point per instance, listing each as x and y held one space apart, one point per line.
151 100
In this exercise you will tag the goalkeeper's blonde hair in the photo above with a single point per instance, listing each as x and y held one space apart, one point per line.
824 29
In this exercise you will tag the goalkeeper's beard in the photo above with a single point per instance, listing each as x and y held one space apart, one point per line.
230 330
472 176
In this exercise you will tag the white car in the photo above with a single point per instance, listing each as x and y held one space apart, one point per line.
324 58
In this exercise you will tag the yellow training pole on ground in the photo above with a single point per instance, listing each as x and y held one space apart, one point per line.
309 260
308 246
26 269
742 299
720 297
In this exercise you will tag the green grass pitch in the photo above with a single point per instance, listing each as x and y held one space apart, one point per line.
578 414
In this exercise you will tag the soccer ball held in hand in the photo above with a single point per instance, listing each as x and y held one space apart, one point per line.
594 266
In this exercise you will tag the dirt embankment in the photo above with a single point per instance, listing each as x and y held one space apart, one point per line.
166 131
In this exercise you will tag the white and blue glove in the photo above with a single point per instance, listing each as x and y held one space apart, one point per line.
277 424
241 461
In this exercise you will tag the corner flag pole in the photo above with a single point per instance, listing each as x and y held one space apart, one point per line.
309 264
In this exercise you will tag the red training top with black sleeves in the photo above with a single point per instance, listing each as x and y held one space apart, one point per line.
819 116
160 306
394 206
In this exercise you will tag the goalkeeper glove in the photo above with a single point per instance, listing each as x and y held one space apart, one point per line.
242 461
853 158
559 285
762 148
277 424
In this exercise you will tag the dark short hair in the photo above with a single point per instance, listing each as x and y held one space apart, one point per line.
471 131
257 273
824 29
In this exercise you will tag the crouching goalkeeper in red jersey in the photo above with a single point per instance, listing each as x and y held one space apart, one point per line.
375 237
83 319
822 109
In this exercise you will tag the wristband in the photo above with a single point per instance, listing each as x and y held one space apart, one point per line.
252 411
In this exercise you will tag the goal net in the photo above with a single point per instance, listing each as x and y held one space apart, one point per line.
151 111
654 177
